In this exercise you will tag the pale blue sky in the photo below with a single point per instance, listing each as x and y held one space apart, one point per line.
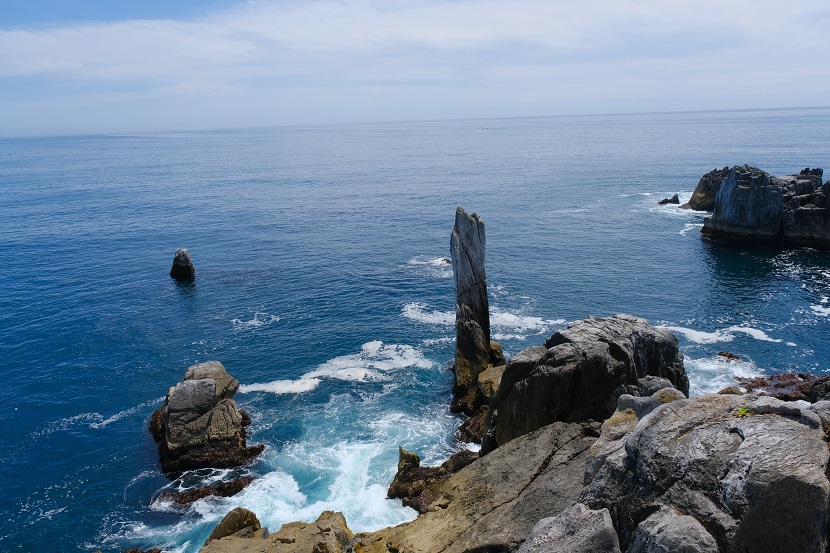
95 66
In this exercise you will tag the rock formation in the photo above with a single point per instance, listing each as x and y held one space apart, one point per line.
580 372
225 489
703 198
474 351
754 206
417 486
199 424
182 268
673 200
744 472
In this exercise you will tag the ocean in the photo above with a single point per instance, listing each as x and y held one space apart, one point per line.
321 285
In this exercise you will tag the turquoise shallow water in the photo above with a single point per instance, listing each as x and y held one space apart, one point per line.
320 286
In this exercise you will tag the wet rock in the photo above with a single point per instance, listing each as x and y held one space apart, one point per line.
182 268
820 390
673 200
703 198
729 356
786 387
225 489
576 530
199 425
579 374
418 486
732 463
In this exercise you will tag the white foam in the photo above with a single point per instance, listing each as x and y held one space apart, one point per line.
719 336
434 266
127 412
260 319
712 374
418 311
689 227
371 364
821 310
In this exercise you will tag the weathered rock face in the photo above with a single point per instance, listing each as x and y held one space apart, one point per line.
579 374
752 205
576 530
238 522
472 316
182 265
749 472
703 198
328 534
418 487
492 504
199 424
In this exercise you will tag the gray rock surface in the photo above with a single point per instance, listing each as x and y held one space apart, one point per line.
200 425
472 315
753 205
576 530
703 198
579 375
182 268
667 531
751 470
493 503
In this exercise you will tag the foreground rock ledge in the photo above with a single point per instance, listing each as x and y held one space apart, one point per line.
199 425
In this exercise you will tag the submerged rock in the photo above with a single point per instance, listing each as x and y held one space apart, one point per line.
200 425
225 489
579 374
754 206
182 268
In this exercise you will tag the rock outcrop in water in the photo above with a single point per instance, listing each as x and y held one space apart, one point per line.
754 206
475 353
703 198
200 425
580 372
182 268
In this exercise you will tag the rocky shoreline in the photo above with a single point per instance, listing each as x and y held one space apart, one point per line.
589 444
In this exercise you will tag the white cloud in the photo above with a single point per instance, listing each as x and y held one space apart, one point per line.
315 54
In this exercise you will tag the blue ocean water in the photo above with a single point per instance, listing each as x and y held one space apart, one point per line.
321 286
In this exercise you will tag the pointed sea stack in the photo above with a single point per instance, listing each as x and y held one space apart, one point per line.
472 316
182 266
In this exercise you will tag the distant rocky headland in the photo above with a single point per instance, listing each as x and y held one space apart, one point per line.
749 205
589 442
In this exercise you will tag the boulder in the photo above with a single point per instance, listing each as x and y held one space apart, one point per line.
182 268
752 205
703 198
577 529
750 470
667 531
328 534
472 315
673 200
200 425
580 373
236 521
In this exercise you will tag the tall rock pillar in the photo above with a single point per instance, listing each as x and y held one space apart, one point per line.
472 316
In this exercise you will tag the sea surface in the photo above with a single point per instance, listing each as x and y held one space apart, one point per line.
321 284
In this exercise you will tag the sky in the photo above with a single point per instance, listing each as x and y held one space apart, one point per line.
113 66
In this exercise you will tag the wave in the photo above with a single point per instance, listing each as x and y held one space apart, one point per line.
420 312
260 319
370 365
712 374
724 335
433 266
127 412
822 309
689 227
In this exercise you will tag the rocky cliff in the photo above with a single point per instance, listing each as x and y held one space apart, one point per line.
754 206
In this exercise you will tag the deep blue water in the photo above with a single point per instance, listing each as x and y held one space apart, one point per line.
320 287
